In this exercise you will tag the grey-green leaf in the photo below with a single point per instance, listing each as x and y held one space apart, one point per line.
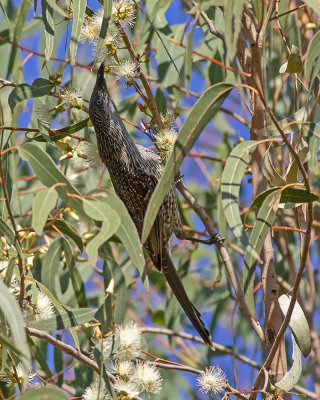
12 313
204 110
127 232
293 375
79 9
44 201
39 87
264 220
48 173
232 177
44 393
298 323
64 320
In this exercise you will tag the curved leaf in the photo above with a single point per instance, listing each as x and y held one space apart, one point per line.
78 8
77 282
47 16
39 87
293 195
100 211
48 173
44 393
10 309
65 320
264 220
127 231
298 323
50 266
68 230
232 176
44 201
204 110
292 377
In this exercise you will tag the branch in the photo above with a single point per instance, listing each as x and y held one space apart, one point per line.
293 300
67 349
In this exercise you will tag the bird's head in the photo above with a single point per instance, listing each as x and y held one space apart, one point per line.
100 96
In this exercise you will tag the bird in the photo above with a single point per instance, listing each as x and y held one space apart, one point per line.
134 171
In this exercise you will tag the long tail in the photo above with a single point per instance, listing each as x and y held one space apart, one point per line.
175 283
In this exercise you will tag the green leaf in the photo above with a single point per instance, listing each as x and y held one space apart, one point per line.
44 393
287 124
232 20
68 230
127 231
264 220
39 87
258 201
122 296
65 320
50 266
6 230
204 110
47 16
75 127
107 9
77 282
232 176
79 8
269 170
294 63
106 231
44 201
188 64
314 5
13 316
21 19
312 54
292 377
48 173
54 5
100 211
293 195
298 323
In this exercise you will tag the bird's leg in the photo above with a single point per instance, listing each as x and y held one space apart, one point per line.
216 238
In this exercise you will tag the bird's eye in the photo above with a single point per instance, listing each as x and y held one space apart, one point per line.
99 102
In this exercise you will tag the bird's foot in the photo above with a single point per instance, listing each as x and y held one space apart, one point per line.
215 239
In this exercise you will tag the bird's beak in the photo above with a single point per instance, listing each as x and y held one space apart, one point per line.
101 82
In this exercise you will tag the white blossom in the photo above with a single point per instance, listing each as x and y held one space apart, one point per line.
126 69
124 368
123 11
165 139
130 340
88 33
18 374
168 118
44 110
72 97
96 391
211 380
127 388
88 150
42 308
148 378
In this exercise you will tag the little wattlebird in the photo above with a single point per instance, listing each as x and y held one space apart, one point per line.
135 171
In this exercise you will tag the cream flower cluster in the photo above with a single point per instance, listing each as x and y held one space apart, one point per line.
123 13
132 377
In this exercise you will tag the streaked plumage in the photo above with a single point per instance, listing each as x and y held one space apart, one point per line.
134 171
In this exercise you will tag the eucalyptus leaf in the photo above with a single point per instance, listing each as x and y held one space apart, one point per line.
204 110
65 320
40 87
44 201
